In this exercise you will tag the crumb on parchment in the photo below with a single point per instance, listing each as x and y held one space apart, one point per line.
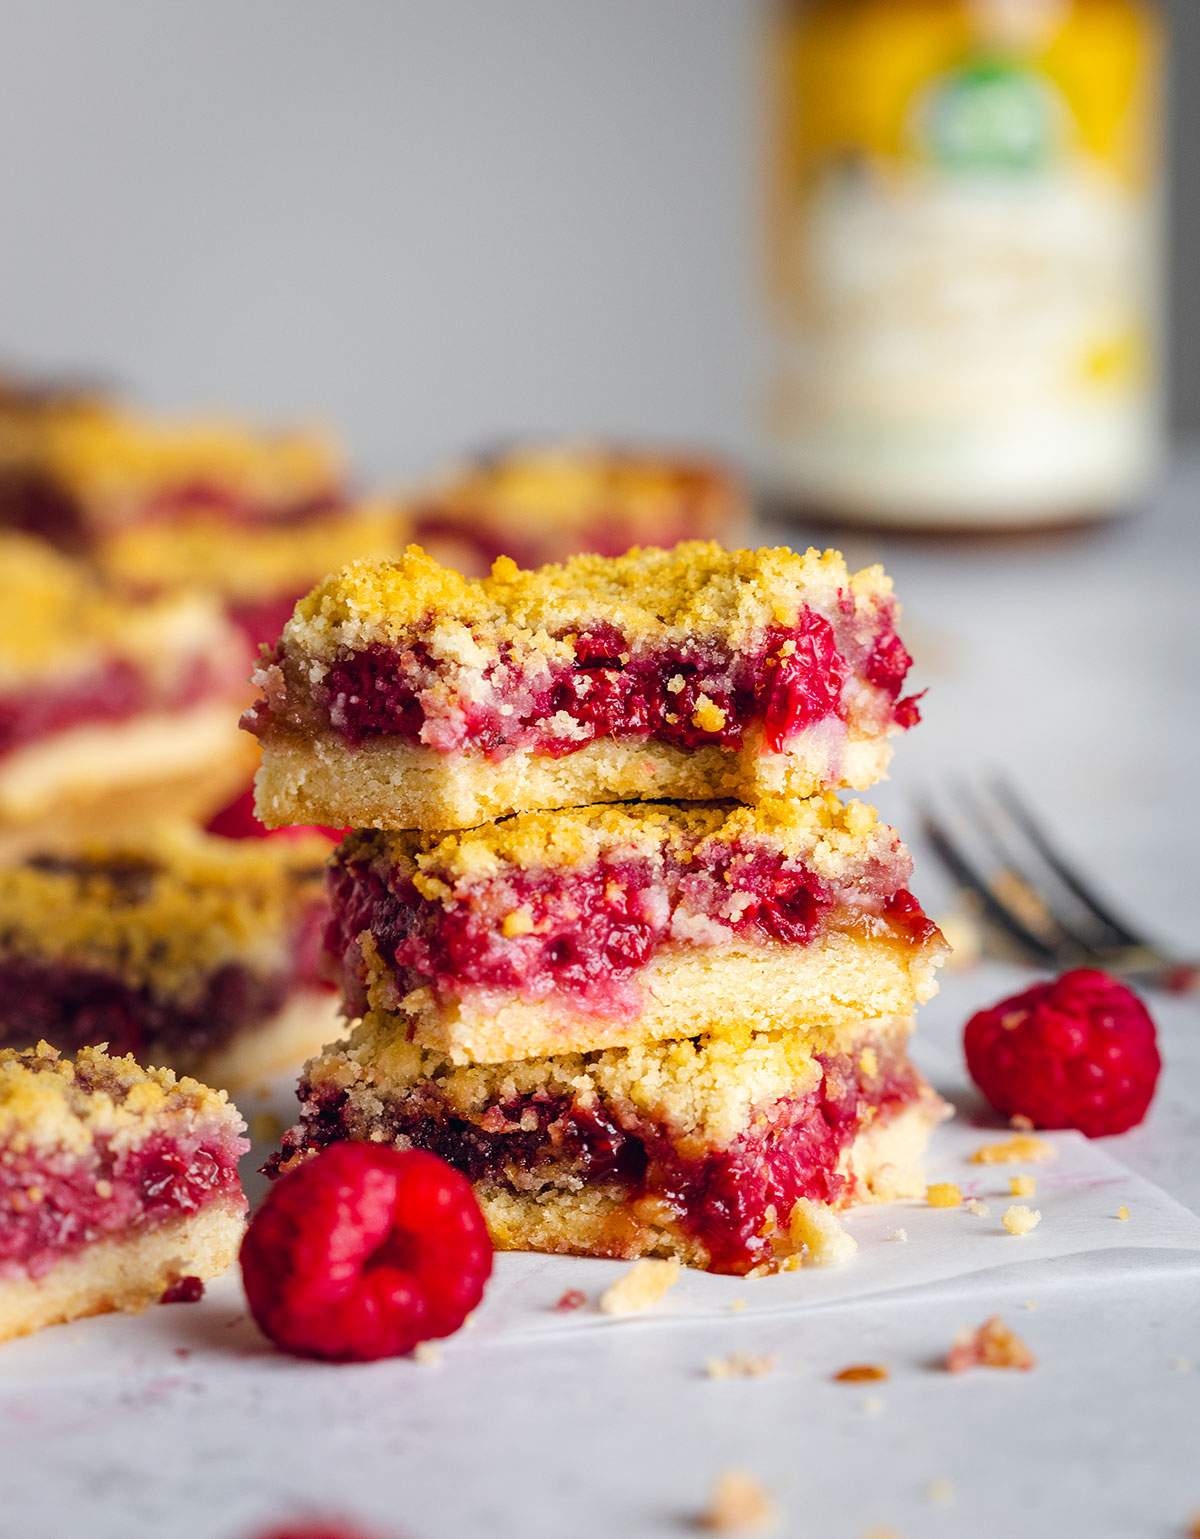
739 1504
640 1288
992 1345
1019 1219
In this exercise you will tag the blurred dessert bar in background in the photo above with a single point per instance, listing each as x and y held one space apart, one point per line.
118 1185
608 926
402 695
110 712
257 569
543 503
75 467
708 1149
182 948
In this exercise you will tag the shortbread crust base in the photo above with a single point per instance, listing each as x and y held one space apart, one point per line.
397 785
125 1273
840 982
884 1161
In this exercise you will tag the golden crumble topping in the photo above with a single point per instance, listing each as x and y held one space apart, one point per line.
1020 1219
48 1101
248 560
944 1194
110 456
696 588
829 835
163 911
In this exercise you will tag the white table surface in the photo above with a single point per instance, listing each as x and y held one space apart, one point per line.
1072 663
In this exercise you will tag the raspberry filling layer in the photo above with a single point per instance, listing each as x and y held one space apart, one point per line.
584 933
728 1199
44 999
54 1202
688 696
115 691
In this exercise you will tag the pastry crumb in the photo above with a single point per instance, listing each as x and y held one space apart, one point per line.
1123 1213
899 1234
1020 1219
739 1505
878 1532
1182 1365
739 1365
1021 1122
1025 1147
736 1306
825 1241
979 1209
1022 1186
573 1298
940 1491
992 1345
944 1194
861 1373
873 1405
640 1288
427 1353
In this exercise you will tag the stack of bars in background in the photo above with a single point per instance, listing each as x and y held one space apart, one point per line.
615 948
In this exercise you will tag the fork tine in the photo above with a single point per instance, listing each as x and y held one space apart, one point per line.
1119 933
964 872
1063 931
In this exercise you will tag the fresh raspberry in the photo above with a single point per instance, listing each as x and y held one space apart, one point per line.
363 1252
1079 1052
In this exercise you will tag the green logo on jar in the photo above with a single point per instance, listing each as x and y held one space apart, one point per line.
990 116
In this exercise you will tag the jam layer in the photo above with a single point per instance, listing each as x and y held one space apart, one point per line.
54 1203
687 697
729 1199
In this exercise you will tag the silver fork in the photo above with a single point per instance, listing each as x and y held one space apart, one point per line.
1038 899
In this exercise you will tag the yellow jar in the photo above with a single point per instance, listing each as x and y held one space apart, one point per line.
965 259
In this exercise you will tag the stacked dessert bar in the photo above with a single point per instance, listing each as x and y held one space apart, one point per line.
616 949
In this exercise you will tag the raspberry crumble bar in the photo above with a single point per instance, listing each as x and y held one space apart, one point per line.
698 1149
181 948
608 926
403 695
539 504
109 711
116 1183
74 467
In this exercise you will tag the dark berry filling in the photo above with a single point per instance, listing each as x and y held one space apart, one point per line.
725 1199
57 1202
687 695
72 1007
585 932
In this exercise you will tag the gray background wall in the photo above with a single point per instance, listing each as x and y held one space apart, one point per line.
436 220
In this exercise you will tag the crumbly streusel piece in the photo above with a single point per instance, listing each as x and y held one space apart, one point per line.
179 947
403 695
540 504
696 1149
115 1183
613 925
